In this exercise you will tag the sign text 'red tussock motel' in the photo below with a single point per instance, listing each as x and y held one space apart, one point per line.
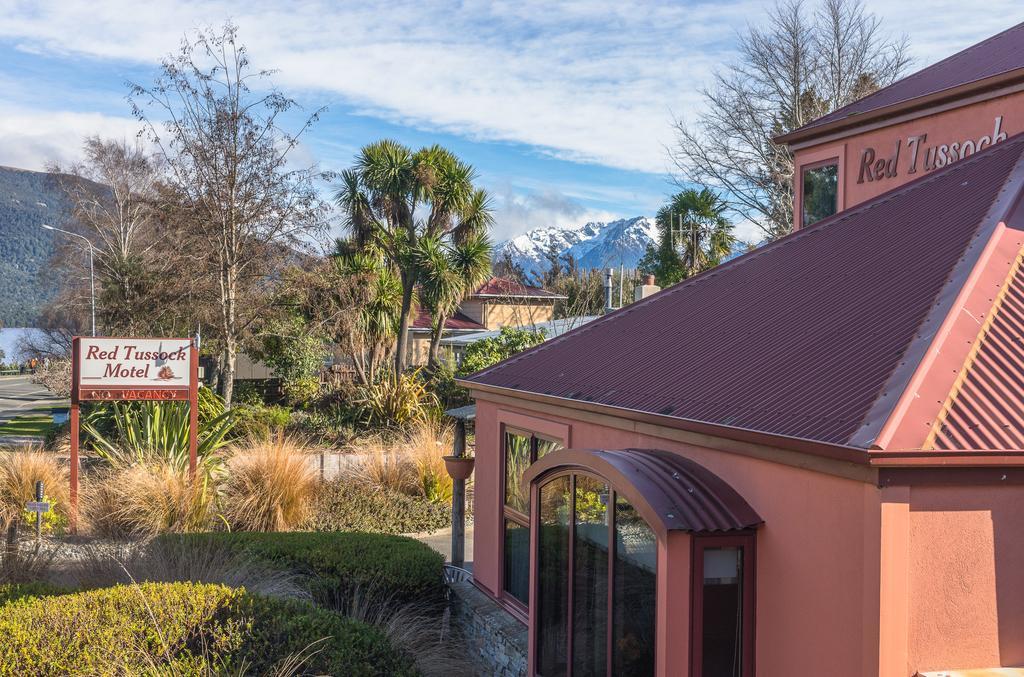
917 154
157 368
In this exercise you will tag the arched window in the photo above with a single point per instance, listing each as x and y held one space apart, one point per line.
605 521
596 581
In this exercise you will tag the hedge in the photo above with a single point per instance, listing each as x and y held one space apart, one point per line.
190 627
10 592
344 505
340 563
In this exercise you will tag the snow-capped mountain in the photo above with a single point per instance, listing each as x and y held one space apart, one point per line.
593 245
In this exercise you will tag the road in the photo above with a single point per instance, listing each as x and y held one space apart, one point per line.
19 396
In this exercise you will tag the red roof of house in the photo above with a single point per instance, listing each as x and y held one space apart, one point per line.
815 336
997 55
458 321
502 286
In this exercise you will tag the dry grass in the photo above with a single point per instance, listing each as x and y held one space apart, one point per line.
270 486
426 444
412 464
145 500
101 564
19 471
415 630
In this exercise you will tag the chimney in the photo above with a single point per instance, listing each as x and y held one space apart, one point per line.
608 291
648 288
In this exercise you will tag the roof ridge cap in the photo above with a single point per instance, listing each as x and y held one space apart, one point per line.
880 413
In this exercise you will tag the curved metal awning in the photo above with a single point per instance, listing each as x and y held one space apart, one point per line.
672 492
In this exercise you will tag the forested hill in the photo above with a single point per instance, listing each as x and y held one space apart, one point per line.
27 199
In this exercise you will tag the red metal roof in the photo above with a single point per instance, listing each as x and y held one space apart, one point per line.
997 55
986 411
671 492
502 286
458 321
814 336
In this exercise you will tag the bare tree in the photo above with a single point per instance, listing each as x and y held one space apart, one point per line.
803 64
112 196
215 120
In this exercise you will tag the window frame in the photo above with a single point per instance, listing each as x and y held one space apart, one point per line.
613 495
810 167
512 515
699 543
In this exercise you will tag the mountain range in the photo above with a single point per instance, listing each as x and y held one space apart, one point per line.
597 244
27 200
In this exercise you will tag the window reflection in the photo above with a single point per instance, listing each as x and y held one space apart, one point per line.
590 587
820 193
635 590
553 576
517 460
722 614
517 561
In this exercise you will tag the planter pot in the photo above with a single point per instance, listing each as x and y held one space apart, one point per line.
459 467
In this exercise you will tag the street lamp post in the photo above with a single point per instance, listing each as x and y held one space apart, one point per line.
92 277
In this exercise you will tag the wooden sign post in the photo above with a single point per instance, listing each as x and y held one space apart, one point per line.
121 369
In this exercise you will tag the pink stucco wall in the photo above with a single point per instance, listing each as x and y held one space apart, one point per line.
966 577
817 554
967 123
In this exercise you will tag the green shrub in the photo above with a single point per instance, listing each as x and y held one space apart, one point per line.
194 627
345 505
259 421
345 564
10 592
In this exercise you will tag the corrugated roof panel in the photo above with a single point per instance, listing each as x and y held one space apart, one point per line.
999 54
987 412
798 338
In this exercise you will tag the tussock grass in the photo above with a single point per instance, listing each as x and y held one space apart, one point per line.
19 471
145 500
270 486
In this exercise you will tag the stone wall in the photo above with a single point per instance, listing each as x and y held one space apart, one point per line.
497 640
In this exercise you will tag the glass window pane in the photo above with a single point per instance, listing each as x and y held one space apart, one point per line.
517 561
553 578
545 447
722 612
635 600
517 459
590 588
820 193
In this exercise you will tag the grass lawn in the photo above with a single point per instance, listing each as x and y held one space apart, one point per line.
31 425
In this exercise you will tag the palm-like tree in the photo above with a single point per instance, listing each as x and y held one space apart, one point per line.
693 236
393 198
448 272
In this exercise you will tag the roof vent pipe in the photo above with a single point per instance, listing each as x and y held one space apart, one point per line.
608 291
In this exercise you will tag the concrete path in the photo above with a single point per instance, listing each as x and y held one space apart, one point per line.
441 541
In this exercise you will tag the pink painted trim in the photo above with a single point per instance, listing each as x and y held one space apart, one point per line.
920 403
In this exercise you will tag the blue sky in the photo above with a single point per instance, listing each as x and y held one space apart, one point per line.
564 108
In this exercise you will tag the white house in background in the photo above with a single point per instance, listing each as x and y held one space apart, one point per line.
457 343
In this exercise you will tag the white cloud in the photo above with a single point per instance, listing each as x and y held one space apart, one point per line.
586 80
32 139
516 213
590 81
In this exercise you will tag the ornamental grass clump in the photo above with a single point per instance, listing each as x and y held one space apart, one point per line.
148 499
426 444
19 472
269 487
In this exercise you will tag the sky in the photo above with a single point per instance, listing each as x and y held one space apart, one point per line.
565 109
